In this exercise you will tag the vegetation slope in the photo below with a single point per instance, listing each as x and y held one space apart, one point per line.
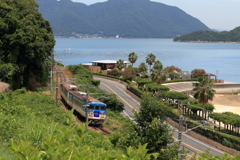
210 36
26 41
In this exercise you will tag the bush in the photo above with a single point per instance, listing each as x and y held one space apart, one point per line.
96 82
175 95
113 103
129 74
20 91
181 80
113 72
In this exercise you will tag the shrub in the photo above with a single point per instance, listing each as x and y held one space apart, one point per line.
129 74
20 91
113 72
113 103
155 87
96 82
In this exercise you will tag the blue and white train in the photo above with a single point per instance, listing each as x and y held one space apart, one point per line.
96 110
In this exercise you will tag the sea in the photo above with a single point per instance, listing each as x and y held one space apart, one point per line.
221 59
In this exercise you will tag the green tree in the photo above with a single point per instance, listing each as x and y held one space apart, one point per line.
142 67
150 59
159 74
132 57
151 127
203 91
174 75
197 73
120 64
26 40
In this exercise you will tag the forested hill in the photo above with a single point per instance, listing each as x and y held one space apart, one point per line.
210 36
126 18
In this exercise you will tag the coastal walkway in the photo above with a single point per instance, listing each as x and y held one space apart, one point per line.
226 99
221 88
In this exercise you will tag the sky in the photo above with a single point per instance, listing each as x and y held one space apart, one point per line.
216 14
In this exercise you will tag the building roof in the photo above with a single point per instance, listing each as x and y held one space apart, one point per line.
107 61
87 64
209 74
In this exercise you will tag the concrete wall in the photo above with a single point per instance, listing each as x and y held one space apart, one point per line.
227 88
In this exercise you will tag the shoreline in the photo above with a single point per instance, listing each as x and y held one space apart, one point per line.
206 41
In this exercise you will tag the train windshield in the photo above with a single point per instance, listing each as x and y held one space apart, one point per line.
97 107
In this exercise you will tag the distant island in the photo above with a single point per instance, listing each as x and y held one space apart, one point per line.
117 18
232 36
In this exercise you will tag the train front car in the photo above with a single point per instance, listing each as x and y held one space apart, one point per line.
85 105
97 112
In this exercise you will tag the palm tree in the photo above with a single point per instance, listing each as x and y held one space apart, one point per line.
120 64
159 74
204 92
142 67
132 57
150 59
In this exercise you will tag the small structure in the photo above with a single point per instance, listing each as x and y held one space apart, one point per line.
215 80
102 65
209 75
185 75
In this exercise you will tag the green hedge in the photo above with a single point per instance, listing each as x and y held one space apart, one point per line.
224 139
174 95
196 106
181 80
135 90
152 87
227 118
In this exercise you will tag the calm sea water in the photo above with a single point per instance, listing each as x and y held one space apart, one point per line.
221 58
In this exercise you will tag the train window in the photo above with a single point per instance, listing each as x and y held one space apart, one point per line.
77 102
97 107
71 98
103 108
91 107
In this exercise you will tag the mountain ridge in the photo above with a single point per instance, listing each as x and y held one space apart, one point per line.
126 18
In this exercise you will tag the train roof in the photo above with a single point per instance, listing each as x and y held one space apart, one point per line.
73 89
97 104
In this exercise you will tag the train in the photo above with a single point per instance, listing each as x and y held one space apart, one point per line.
88 107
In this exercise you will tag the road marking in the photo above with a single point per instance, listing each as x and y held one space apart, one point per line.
172 137
127 94
120 97
189 146
200 142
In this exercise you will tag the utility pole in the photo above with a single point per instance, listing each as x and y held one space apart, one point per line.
180 129
51 74
87 107
56 86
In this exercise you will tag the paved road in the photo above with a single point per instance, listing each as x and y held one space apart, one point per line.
130 105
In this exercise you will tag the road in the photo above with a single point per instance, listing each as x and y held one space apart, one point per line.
130 105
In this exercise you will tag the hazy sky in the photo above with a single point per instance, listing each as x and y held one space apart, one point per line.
216 14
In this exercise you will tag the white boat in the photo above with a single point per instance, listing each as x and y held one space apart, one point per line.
67 49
